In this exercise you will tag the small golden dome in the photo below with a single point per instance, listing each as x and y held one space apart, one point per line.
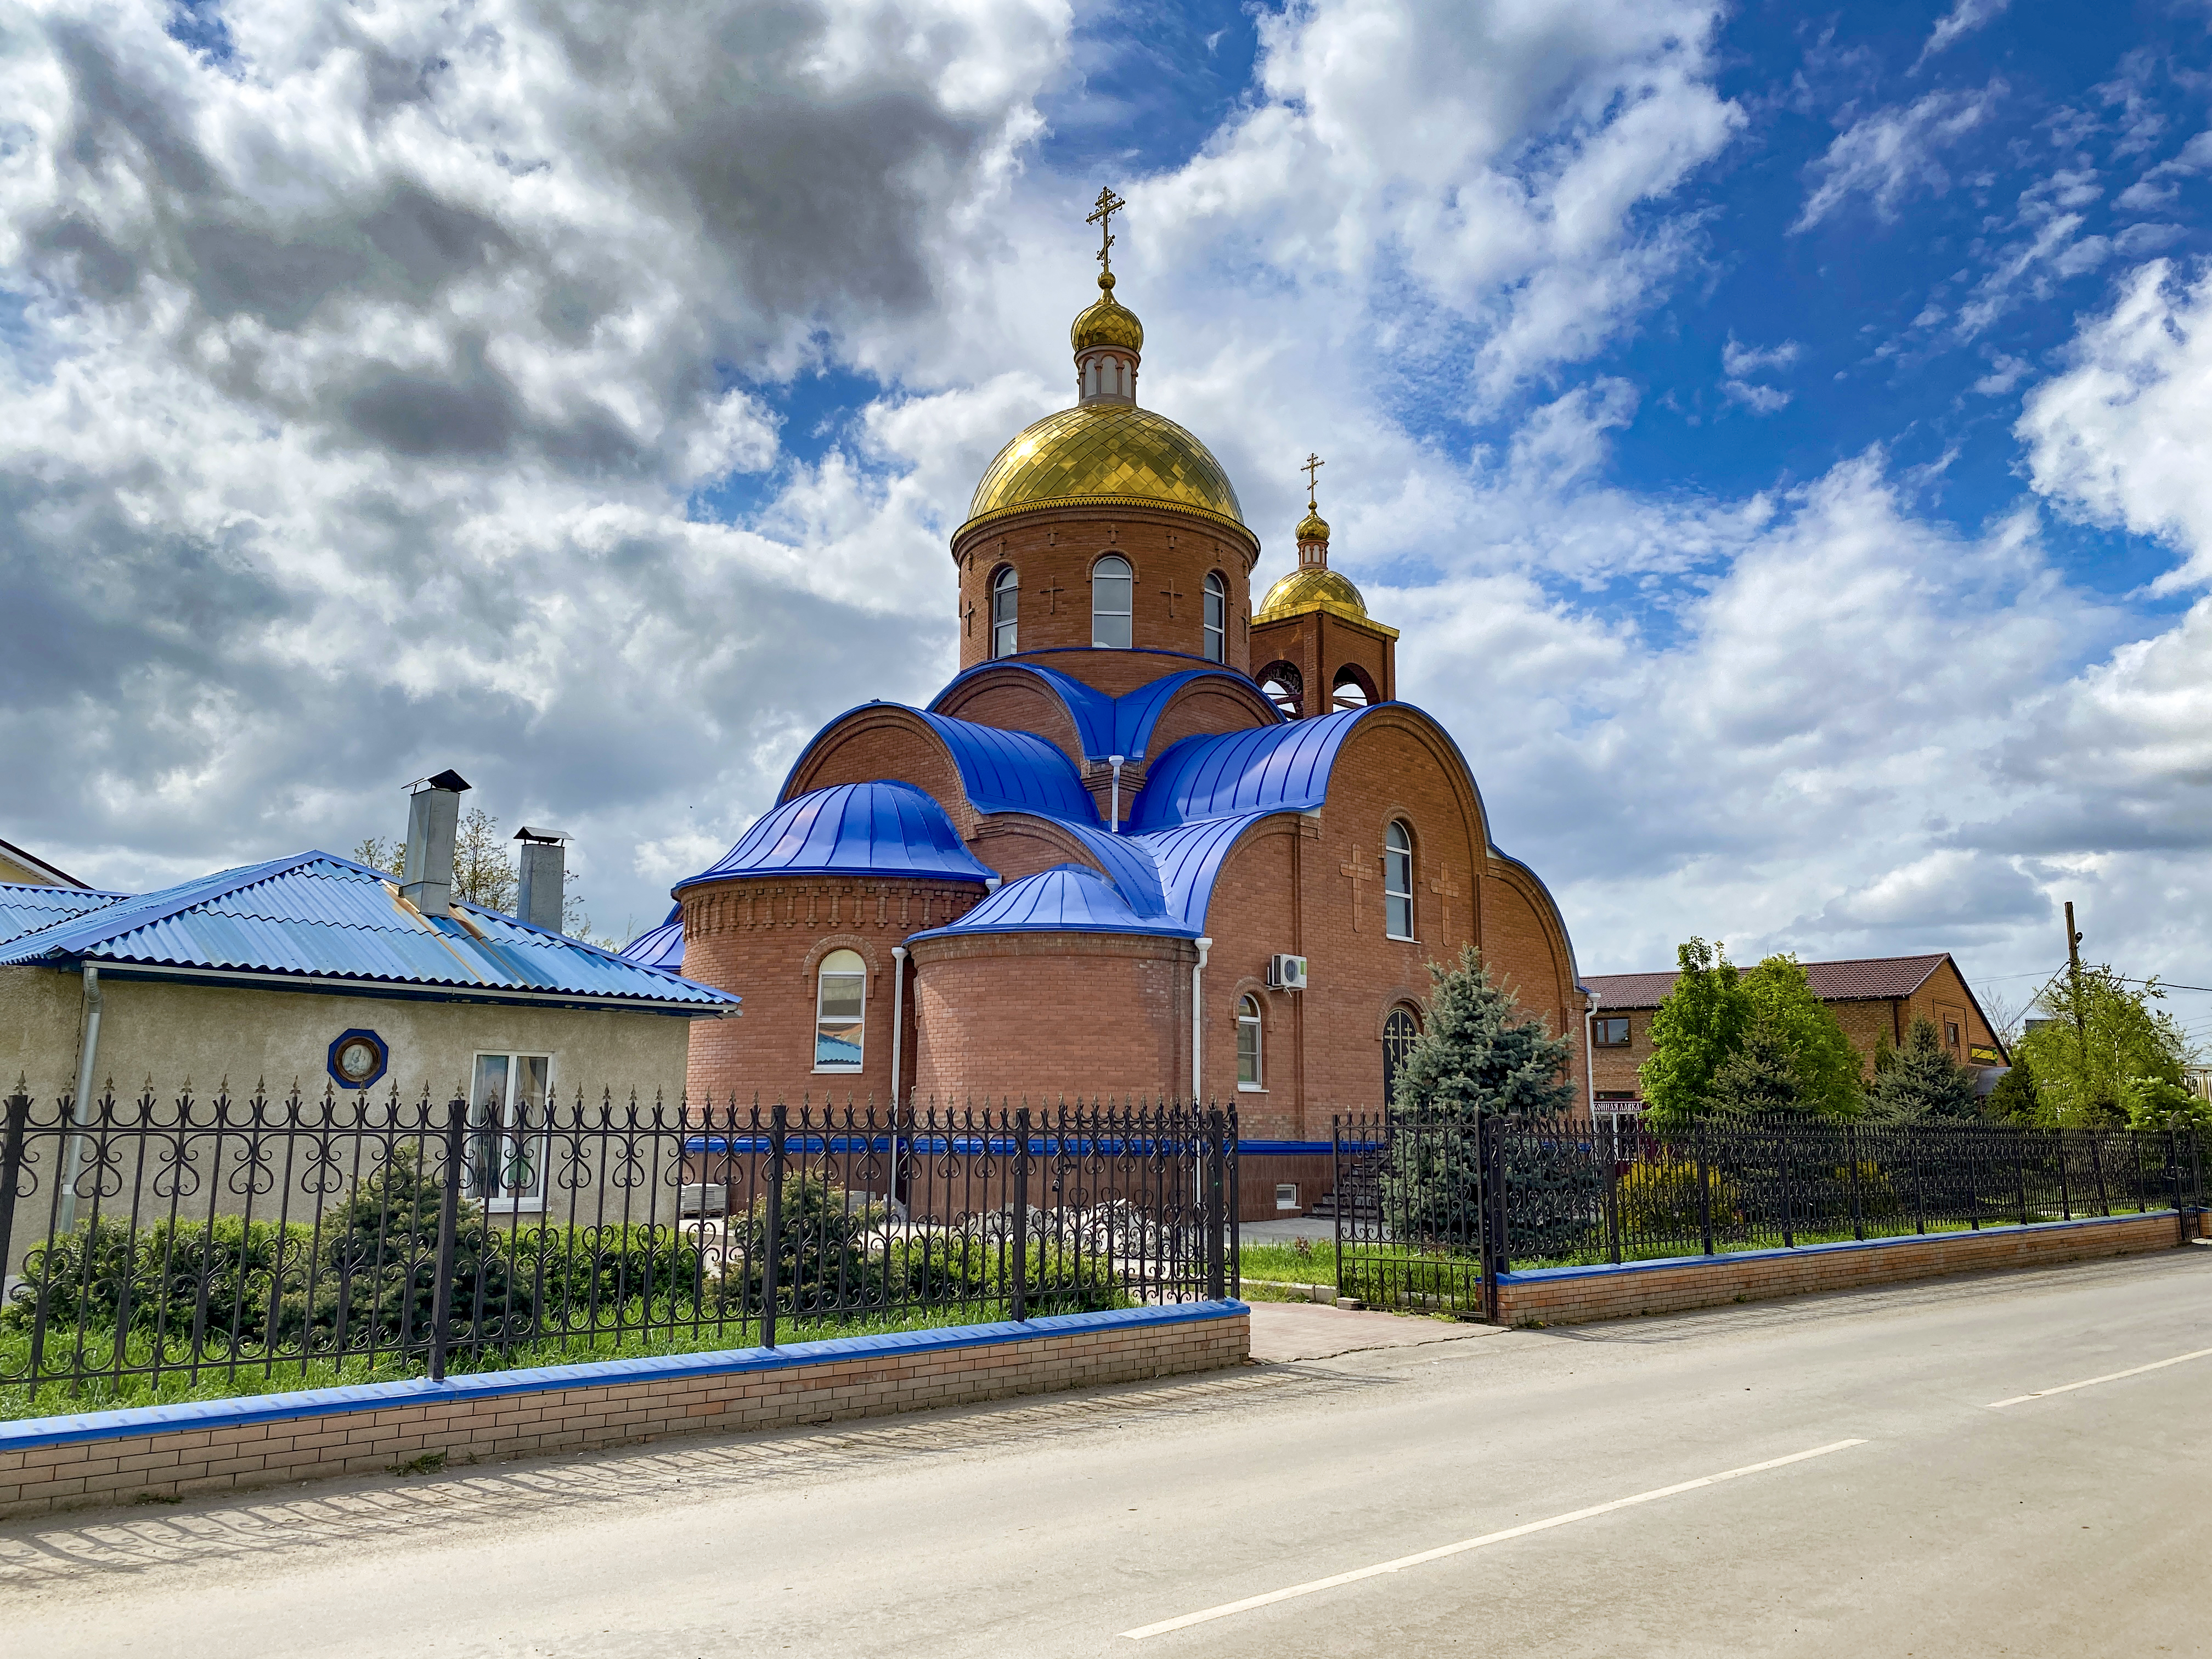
1106 322
1316 590
1313 527
1105 452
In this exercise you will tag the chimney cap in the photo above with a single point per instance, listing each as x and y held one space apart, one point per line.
447 778
528 833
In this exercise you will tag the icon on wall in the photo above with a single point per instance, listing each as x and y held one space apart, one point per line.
358 1058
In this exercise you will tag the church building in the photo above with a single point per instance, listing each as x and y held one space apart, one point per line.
1150 839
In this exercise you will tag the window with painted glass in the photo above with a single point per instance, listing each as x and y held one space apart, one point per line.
840 1012
1399 1032
508 1110
1248 1043
1398 881
1113 594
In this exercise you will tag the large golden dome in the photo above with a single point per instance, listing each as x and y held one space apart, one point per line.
1105 452
1316 590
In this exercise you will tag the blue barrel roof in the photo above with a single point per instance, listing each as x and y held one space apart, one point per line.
1068 898
853 829
661 946
1105 725
1274 768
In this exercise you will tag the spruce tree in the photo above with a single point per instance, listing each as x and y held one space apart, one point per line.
2013 1100
1761 1080
1476 1054
1920 1082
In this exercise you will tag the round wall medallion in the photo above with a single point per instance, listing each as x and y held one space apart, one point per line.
357 1058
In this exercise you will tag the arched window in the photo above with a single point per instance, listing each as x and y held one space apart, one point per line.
1350 689
1217 617
1398 1034
1282 686
1398 881
1005 611
840 1012
1113 593
1248 1042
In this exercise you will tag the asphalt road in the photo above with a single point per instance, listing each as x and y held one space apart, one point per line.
1931 1521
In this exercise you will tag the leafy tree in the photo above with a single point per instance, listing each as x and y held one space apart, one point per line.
2013 1100
483 873
1920 1081
378 853
1694 1031
1760 1079
1829 1073
2152 1103
2084 1065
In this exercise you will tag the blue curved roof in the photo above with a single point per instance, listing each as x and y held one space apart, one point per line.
1068 898
1188 859
1275 768
661 946
1014 771
1106 725
851 828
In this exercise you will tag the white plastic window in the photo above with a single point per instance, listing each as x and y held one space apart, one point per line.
1113 594
1217 617
507 1109
840 1012
1398 881
1006 612
1248 1042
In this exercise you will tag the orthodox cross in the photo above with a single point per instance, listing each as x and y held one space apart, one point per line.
1358 872
1444 888
1102 215
1171 593
1314 463
1052 591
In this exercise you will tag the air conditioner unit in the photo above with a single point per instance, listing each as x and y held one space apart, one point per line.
1286 973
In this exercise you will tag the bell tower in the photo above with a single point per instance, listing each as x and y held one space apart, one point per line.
1315 648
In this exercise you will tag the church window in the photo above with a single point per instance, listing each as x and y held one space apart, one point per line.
1217 617
1398 1034
1351 690
1248 1042
1398 881
1005 611
840 1012
1282 686
1113 591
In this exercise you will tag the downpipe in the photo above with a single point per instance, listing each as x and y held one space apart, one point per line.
72 1165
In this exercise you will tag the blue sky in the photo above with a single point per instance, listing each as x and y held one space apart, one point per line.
1776 433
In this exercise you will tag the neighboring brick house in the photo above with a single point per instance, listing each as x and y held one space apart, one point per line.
1070 873
1874 997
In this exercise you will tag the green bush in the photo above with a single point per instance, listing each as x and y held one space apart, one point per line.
1659 1200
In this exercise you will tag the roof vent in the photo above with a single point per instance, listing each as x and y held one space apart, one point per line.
542 892
434 814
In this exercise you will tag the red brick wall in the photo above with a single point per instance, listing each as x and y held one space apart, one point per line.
885 743
1053 548
1317 644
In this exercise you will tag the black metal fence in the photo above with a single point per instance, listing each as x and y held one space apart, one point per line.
1430 1213
154 1242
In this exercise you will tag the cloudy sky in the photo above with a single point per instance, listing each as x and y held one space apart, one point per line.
1780 434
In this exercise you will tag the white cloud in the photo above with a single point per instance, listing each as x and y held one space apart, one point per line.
1962 19
1891 153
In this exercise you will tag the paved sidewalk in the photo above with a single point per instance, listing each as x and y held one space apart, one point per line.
1307 1330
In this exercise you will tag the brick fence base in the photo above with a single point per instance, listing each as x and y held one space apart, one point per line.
1565 1296
259 1440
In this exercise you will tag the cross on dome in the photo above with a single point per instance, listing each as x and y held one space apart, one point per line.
1102 215
1314 463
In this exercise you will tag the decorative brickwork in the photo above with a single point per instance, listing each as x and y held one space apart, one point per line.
232 1445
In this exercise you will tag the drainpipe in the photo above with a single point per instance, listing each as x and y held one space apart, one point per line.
83 1113
898 1036
1590 1051
1116 762
1198 1024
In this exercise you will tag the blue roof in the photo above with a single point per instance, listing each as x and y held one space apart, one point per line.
1014 771
316 915
24 909
1107 726
661 946
1274 768
1068 898
853 829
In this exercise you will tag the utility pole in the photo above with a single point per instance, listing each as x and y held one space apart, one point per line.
2074 969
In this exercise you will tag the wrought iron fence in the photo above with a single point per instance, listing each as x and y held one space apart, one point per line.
1429 1213
169 1240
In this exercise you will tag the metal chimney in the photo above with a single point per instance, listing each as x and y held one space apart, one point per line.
542 894
434 814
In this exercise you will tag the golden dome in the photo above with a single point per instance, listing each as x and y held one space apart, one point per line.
1314 528
1106 322
1316 590
1105 452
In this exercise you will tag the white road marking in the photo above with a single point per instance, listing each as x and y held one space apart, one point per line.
2091 1383
1464 1545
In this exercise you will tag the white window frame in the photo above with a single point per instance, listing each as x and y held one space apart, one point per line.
1005 617
1391 854
1128 618
1216 617
822 971
504 1201
1257 1083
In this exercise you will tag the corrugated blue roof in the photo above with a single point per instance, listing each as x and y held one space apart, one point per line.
1274 768
661 946
1071 898
24 909
1104 726
853 829
314 915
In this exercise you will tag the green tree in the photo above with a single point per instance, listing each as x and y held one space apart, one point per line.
2013 1100
1920 1081
2096 1043
2152 1103
1830 1075
1476 1054
1694 1031
1760 1079
483 874
378 853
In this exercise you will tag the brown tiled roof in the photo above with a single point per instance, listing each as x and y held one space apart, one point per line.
1861 979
